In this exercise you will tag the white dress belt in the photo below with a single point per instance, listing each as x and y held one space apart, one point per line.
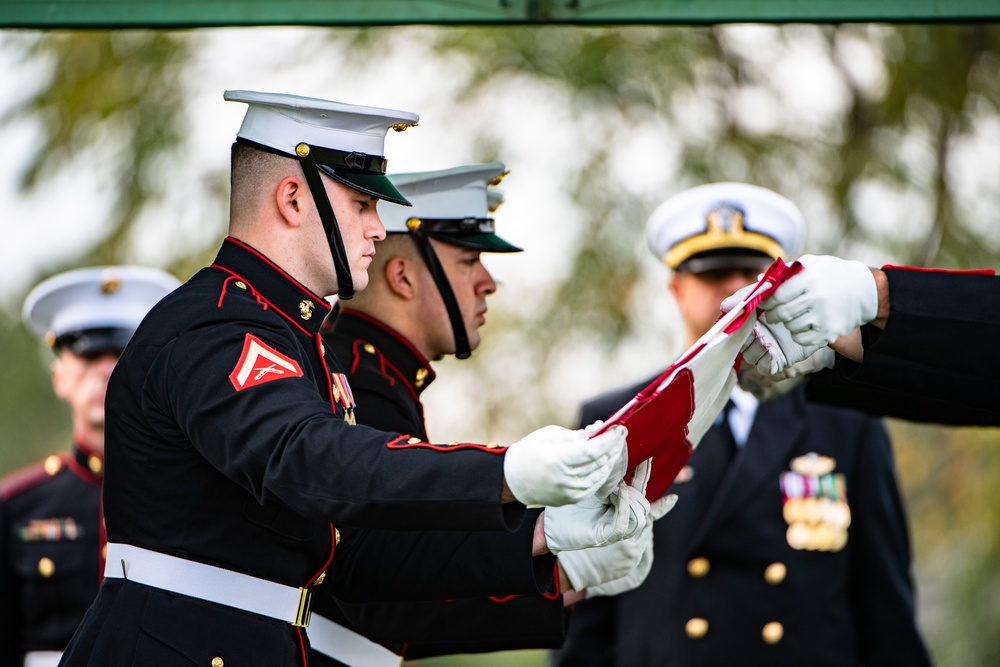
42 658
346 646
209 583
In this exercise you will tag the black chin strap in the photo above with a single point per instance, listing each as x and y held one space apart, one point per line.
345 283
462 349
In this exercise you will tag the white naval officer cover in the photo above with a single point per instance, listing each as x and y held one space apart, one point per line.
668 418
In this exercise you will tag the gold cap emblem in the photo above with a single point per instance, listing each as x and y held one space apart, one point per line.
724 220
496 179
402 127
110 284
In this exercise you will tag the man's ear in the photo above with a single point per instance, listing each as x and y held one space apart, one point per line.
58 379
673 284
399 277
290 195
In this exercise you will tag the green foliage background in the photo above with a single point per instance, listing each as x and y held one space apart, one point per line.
704 104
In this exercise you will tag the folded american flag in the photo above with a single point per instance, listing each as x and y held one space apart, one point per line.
667 419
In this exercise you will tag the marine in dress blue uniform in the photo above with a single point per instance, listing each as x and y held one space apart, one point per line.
51 530
388 374
789 543
231 440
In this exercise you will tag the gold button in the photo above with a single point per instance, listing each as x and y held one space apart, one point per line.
698 567
775 573
413 441
53 464
46 567
336 537
218 662
773 632
241 284
696 628
96 465
369 348
492 445
420 377
320 579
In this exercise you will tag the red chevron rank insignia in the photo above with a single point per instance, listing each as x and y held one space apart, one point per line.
260 363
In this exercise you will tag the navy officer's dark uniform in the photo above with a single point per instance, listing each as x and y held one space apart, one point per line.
727 588
388 375
227 392
935 360
50 543
789 543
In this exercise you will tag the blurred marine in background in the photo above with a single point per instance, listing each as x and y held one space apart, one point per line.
51 529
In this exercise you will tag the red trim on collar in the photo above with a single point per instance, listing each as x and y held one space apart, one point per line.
924 269
385 327
261 299
383 366
20 480
84 474
320 300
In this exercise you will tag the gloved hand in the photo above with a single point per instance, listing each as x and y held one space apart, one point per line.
619 567
737 297
554 466
772 348
597 521
824 301
767 387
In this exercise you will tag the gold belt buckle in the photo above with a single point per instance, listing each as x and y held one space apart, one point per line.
304 612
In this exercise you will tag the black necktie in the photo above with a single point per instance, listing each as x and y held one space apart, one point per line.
710 461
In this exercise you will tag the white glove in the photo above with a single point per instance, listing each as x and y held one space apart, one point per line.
824 301
598 522
554 466
619 567
773 349
737 297
766 387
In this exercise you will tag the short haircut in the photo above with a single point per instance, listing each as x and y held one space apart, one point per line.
252 171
